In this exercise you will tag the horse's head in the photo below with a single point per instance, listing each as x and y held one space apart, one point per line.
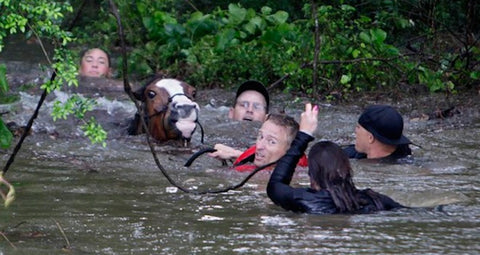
170 110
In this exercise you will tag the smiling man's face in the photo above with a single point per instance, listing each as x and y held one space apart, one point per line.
250 105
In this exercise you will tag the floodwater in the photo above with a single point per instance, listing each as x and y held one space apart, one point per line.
73 197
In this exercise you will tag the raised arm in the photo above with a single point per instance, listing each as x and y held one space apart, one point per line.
278 189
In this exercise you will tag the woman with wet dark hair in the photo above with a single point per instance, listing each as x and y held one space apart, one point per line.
331 186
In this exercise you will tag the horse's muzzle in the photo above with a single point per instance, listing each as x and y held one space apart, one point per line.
184 117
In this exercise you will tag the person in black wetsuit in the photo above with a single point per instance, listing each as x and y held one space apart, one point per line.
379 135
331 186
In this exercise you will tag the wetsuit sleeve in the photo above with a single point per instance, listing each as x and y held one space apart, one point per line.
389 203
278 188
352 153
374 201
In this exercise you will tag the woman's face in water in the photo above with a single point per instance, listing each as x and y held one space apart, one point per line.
95 64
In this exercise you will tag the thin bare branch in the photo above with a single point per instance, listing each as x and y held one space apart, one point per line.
63 234
8 241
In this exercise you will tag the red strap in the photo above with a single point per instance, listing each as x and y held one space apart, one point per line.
303 161
247 153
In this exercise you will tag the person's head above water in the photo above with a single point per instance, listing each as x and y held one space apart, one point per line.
379 131
329 166
274 138
251 102
95 63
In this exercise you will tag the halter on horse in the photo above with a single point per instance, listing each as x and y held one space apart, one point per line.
169 110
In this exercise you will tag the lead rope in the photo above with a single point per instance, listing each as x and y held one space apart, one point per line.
128 90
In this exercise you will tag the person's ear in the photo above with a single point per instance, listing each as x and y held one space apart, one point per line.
265 118
371 138
230 113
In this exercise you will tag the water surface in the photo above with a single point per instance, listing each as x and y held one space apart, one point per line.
114 200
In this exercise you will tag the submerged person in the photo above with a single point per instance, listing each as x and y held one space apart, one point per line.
95 62
273 140
379 135
251 102
331 186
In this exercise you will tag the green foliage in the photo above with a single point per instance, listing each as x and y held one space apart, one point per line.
219 44
78 106
44 19
75 105
5 134
3 79
243 44
95 132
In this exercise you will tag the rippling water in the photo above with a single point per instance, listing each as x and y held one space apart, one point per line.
114 200
79 198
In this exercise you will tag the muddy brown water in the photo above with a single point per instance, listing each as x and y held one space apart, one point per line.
80 198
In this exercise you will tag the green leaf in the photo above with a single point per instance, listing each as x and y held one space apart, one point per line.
223 39
475 75
5 136
347 8
355 53
266 10
237 14
254 24
378 35
3 79
279 17
95 132
345 79
365 37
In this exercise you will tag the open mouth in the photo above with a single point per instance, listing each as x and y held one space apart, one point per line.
258 156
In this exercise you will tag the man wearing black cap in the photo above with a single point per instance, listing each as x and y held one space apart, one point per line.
251 102
378 135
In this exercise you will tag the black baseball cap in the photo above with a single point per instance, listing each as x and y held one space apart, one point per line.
385 124
256 86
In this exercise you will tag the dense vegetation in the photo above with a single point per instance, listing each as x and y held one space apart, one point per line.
361 46
325 49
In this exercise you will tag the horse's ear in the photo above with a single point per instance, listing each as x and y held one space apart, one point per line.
140 94
189 90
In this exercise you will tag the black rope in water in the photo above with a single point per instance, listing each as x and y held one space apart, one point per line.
128 90
233 187
201 130
197 154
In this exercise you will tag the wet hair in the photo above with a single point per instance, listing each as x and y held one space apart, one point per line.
329 167
286 121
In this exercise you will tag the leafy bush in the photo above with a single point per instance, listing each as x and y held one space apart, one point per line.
43 19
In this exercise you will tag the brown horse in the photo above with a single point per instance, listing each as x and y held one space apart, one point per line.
169 110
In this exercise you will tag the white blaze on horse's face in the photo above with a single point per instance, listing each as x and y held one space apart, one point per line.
184 110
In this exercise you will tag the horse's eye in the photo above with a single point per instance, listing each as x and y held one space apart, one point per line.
151 94
194 94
